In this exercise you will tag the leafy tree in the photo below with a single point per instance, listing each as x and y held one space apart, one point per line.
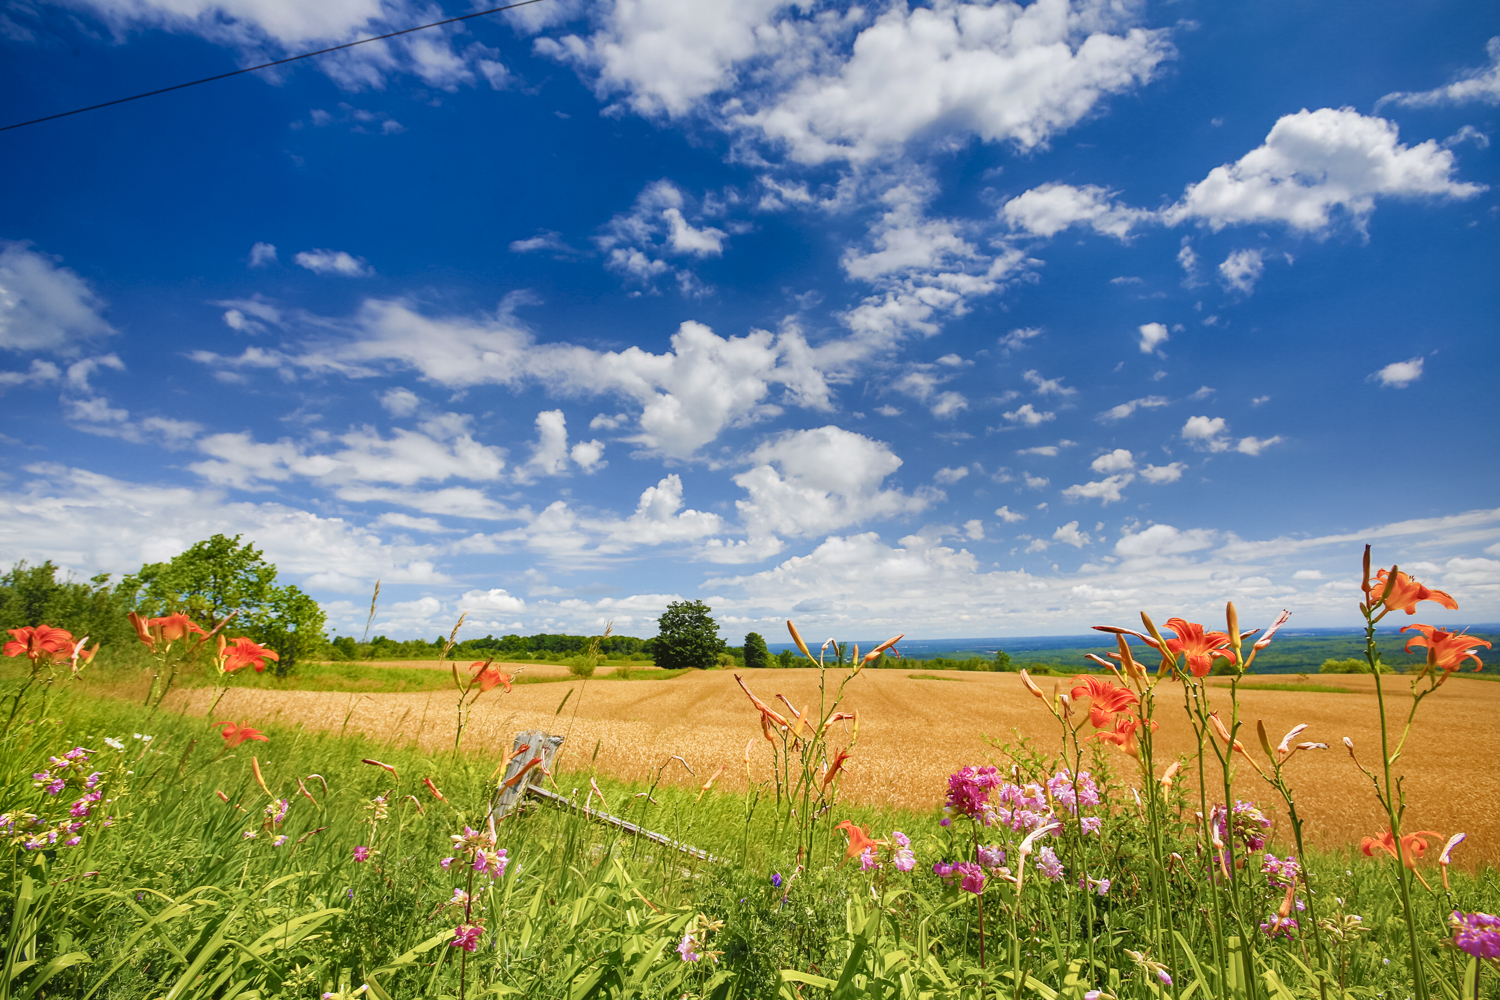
1353 665
687 636
1002 661
220 575
785 658
756 653
33 595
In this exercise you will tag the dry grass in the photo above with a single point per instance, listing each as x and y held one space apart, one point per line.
914 732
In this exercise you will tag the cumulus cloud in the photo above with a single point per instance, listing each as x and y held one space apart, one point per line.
1163 473
1255 445
1047 386
1314 162
811 482
1161 540
1399 374
1207 433
1028 416
1129 407
1018 337
974 530
45 306
638 244
336 262
400 402
1115 461
1051 208
545 240
949 476
1009 516
1153 335
262 255
1106 490
1069 534
1481 84
1241 270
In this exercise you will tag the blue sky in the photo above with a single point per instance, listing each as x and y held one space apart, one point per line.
953 319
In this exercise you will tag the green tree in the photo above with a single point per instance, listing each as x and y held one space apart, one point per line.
786 656
756 653
33 595
214 577
687 636
1002 661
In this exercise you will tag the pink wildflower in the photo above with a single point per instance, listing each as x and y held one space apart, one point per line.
1477 933
362 854
1048 864
969 792
687 948
466 937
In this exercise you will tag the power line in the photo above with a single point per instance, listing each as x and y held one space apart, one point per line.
278 62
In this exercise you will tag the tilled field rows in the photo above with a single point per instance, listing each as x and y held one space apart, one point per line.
915 732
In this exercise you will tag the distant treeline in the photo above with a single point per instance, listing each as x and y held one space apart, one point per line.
542 646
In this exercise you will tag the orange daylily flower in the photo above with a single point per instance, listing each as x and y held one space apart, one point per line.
174 627
490 676
1122 736
1197 647
835 767
1413 846
245 652
39 642
859 839
234 734
1446 651
1406 592
141 631
1105 699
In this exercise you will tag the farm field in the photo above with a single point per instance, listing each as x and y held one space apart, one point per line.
915 731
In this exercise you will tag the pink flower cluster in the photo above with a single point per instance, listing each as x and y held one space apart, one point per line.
478 848
1071 794
1278 926
1280 874
970 876
1477 933
969 793
902 857
36 833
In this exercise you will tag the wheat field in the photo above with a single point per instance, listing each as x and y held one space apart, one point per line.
915 731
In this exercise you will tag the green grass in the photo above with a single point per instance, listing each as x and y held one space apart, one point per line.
172 899
932 677
366 679
1322 688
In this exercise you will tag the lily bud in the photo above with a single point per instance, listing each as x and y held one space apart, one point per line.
1265 741
1031 686
1232 618
797 638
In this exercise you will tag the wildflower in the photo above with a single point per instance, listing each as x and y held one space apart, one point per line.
1413 846
1073 792
1105 699
1406 593
174 627
245 652
147 739
1198 648
460 898
375 763
1048 864
249 835
362 854
38 642
113 743
991 856
1091 824
1280 874
234 735
969 792
1099 885
776 880
282 839
491 863
1143 960
56 786
1477 933
867 860
1446 858
489 676
859 839
1122 736
1279 926
904 860
837 766
466 936
92 781
276 811
686 948
1446 651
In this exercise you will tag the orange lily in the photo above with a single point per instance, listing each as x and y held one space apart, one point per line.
490 676
859 839
768 715
835 767
1413 846
1406 593
1169 774
511 781
1105 699
245 652
375 763
1031 685
1122 736
141 631
39 642
234 734
1198 647
174 627
1446 651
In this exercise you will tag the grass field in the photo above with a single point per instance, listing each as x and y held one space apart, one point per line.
1453 779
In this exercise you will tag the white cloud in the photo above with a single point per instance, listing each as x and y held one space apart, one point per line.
1313 162
1036 483
405 522
1163 473
1260 400
1399 374
262 254
1069 534
949 476
400 402
443 448
1028 416
337 262
1187 257
494 599
588 455
45 306
1051 208
1018 337
549 455
1009 516
1038 545
949 404
1255 445
1308 574
637 243
1127 408
1206 433
1047 386
1473 85
1160 540
974 530
1153 335
1002 72
1046 450
546 240
805 483
1106 491
1118 460
1241 270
